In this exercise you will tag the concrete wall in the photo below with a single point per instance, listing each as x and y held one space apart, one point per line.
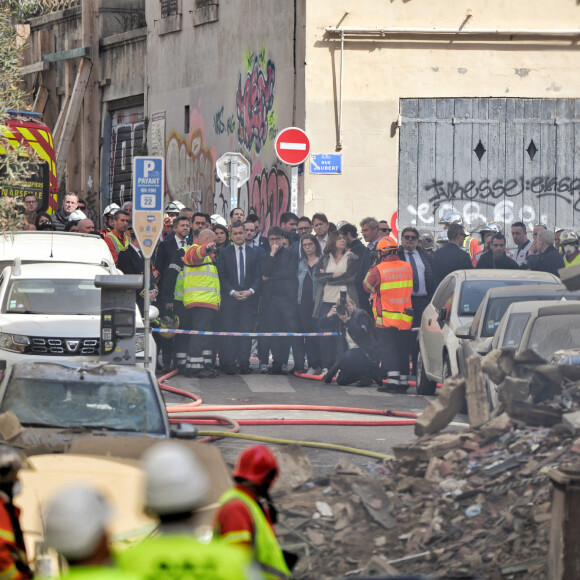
225 85
380 72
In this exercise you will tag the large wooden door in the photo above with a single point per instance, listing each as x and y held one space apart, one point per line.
500 159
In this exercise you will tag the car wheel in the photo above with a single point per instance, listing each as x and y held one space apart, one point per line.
446 368
424 385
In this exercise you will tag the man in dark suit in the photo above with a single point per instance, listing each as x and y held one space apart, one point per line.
358 248
279 308
423 280
258 241
240 281
131 261
451 257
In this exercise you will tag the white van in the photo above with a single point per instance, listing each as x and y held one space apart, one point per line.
50 309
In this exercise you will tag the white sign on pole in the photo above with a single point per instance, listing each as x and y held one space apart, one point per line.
233 170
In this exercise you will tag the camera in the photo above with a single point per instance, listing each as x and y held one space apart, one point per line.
341 306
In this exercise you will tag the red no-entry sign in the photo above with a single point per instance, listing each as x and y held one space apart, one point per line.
292 146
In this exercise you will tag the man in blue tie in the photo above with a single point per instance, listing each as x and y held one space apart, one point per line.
240 279
423 279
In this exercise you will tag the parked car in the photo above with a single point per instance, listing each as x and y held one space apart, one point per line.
477 338
52 311
454 304
551 329
58 402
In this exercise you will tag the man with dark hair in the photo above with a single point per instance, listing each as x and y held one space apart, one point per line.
279 308
497 259
259 240
451 257
520 238
117 239
30 206
240 281
289 224
358 248
237 215
201 221
304 226
423 279
320 225
384 228
547 258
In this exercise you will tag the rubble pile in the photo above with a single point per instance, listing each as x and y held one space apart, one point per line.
462 504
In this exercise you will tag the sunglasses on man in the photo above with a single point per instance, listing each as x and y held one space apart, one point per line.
385 230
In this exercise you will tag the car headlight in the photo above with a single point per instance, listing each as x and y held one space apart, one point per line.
139 342
14 342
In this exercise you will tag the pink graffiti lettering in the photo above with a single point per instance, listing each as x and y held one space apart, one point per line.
253 104
269 196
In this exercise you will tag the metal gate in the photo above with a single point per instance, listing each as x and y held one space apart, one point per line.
505 160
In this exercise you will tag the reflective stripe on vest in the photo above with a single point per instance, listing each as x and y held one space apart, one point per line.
119 245
201 284
394 295
178 294
574 262
265 547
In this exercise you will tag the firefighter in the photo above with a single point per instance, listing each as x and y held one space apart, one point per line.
570 241
117 239
13 560
246 515
176 486
76 521
470 245
390 283
108 216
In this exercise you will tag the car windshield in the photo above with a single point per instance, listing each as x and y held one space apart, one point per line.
552 333
49 296
129 407
473 291
515 328
497 307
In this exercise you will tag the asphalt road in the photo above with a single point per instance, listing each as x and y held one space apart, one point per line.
282 390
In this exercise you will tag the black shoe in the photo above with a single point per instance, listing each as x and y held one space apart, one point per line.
296 371
207 374
386 388
328 378
247 371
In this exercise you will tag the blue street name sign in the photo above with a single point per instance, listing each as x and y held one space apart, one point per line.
325 163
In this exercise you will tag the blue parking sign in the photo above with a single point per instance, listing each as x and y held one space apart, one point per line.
148 183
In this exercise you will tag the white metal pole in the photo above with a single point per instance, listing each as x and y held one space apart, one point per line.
146 283
233 183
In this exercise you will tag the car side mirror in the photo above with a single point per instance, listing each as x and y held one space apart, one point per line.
443 314
484 347
464 332
183 431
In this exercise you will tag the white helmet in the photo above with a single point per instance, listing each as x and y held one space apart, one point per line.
427 239
174 207
216 218
76 216
569 237
442 238
76 518
175 481
10 464
451 217
111 209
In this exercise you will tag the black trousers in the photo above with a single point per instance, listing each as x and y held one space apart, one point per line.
281 315
180 343
236 316
200 347
419 304
328 344
354 366
395 354
308 347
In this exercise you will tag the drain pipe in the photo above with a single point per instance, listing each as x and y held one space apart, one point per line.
339 144
382 32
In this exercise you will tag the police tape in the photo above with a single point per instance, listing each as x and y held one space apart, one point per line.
250 334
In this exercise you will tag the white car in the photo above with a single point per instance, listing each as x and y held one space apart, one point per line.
453 305
51 312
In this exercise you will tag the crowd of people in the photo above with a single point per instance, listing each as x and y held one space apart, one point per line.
303 276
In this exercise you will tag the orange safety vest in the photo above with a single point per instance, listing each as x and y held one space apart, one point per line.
393 298
13 560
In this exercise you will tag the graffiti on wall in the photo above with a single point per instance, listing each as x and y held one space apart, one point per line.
269 194
126 141
190 170
222 125
502 200
255 101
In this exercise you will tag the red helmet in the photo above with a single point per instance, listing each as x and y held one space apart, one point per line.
387 243
256 464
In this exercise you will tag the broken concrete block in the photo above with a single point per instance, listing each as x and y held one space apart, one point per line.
294 465
513 389
572 421
10 426
441 411
489 365
496 426
476 394
376 503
